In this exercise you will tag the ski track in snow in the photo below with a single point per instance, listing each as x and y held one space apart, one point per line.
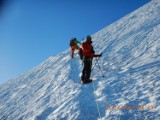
130 89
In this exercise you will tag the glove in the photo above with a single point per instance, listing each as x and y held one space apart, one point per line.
100 55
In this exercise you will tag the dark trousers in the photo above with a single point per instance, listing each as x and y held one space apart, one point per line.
87 66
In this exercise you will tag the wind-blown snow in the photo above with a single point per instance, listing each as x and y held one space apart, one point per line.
130 89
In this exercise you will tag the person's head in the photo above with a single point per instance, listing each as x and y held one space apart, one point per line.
74 38
89 39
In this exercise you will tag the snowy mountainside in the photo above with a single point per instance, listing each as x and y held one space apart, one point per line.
130 89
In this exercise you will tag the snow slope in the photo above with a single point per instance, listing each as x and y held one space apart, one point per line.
130 89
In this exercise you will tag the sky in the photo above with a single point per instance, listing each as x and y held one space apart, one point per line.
33 30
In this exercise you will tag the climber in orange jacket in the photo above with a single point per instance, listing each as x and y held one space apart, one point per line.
74 46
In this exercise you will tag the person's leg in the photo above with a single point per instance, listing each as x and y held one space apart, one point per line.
72 51
85 78
74 47
88 68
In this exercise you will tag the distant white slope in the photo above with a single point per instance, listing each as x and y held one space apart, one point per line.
130 89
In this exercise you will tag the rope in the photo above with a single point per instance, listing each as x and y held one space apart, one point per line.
96 102
95 90
94 93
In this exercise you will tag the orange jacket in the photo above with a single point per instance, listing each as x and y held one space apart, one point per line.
88 50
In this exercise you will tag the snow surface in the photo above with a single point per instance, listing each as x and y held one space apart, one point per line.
130 89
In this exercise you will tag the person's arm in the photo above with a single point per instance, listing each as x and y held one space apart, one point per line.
77 42
95 55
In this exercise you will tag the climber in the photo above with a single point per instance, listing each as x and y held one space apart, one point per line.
88 54
74 46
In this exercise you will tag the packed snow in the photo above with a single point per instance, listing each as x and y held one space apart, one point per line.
129 90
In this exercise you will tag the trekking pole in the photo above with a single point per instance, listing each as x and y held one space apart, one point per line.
100 68
95 63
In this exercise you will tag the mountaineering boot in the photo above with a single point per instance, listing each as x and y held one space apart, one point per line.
86 81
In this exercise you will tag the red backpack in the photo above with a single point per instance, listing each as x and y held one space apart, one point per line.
72 42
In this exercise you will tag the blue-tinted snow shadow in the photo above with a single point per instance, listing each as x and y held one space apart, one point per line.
87 104
75 70
143 67
45 114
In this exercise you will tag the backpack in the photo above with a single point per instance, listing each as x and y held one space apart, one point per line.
72 42
80 53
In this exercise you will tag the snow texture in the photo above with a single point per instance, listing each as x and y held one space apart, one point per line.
130 89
